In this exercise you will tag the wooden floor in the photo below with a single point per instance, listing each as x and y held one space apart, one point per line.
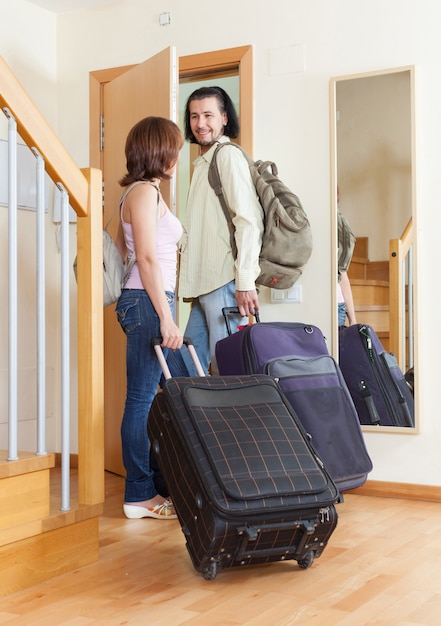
382 566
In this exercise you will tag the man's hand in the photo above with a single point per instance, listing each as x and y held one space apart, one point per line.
248 302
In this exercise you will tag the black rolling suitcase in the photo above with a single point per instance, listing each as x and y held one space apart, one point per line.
297 356
246 484
378 386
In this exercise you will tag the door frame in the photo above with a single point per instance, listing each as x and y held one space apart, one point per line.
192 67
233 61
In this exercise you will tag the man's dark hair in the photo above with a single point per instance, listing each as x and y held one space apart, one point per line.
225 106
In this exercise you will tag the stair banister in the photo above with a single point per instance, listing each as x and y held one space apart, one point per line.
36 132
400 269
84 188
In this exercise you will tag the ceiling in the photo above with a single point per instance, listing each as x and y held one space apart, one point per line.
63 6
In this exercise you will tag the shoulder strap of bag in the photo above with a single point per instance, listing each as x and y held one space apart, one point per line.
132 261
125 194
216 184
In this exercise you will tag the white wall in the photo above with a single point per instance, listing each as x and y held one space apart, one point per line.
291 126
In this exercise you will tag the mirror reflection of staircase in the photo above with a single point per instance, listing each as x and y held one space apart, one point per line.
370 290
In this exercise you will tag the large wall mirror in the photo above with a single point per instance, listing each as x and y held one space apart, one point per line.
373 171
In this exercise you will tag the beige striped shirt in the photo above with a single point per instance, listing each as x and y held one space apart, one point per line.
207 261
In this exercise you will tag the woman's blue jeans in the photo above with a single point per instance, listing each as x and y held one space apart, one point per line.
341 313
140 323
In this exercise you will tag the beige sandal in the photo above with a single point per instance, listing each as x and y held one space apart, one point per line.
159 511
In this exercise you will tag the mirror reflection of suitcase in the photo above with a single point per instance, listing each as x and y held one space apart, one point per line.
378 387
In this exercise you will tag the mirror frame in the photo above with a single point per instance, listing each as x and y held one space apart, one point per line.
334 260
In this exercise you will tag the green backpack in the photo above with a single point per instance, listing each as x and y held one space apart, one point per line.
346 243
287 239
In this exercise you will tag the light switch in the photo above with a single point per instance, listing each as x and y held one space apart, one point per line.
285 296
164 19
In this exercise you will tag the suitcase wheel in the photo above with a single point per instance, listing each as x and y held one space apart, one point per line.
307 560
210 572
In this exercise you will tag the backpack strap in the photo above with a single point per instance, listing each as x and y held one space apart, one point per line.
216 184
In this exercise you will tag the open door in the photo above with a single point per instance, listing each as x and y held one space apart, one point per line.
122 96
146 89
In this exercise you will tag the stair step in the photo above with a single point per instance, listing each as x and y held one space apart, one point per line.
378 270
27 462
357 268
38 547
361 246
361 267
25 488
374 315
370 291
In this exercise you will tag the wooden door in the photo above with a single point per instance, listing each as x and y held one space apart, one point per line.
146 89
122 95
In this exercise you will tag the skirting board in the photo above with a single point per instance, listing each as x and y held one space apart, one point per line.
379 488
406 491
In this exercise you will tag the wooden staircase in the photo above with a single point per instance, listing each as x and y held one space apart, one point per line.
370 290
37 539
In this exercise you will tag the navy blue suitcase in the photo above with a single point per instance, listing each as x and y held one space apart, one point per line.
315 388
378 386
297 356
246 483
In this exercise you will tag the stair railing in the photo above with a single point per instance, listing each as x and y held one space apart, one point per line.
82 190
401 301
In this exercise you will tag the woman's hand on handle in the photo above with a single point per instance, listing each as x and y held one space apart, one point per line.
172 337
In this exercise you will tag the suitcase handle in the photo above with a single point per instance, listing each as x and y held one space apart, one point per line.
228 311
249 535
156 343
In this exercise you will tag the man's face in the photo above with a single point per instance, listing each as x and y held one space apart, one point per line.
206 121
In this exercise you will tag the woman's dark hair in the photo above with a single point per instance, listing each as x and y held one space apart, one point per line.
152 147
225 106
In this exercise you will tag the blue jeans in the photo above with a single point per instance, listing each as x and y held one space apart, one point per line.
140 323
341 313
206 324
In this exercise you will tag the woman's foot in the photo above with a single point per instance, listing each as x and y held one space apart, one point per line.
157 508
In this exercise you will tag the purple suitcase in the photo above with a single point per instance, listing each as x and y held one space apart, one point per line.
296 355
248 351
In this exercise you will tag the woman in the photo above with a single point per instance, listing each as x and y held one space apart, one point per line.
145 308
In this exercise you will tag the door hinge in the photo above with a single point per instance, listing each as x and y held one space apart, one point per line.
101 132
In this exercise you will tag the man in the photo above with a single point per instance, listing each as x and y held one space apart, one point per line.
209 274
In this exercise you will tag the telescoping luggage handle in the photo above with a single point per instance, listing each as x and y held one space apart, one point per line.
228 311
156 342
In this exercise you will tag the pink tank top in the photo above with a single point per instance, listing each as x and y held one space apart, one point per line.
168 233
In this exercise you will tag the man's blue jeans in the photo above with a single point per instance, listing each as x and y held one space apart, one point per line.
206 325
140 323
